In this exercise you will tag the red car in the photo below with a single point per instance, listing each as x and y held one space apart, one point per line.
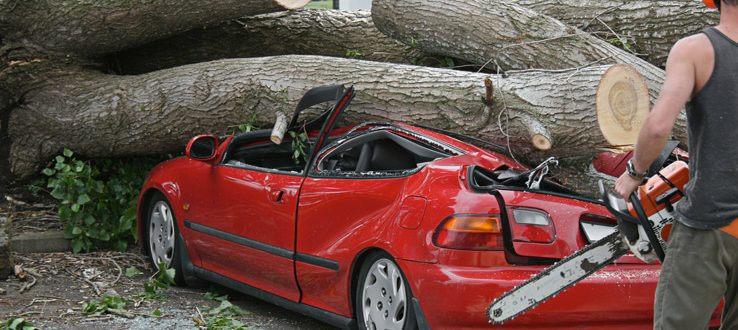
381 226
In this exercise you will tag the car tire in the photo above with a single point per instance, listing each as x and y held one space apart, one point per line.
383 296
163 238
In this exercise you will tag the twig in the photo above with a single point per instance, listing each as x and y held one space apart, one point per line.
69 311
94 286
597 17
539 41
36 300
137 303
29 285
29 313
120 271
199 315
121 312
505 132
562 70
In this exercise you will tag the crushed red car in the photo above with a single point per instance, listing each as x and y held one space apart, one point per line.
381 226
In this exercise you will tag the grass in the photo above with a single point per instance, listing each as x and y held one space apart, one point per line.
325 4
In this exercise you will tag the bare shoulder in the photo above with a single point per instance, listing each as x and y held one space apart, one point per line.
695 47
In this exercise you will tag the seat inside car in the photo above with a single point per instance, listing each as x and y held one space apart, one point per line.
387 155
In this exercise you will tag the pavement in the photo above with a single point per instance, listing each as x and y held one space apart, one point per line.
40 242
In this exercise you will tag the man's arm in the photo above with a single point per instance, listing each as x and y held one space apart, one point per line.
656 130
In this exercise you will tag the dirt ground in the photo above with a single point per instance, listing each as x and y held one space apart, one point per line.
51 288
64 282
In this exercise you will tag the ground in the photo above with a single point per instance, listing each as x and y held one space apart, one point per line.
51 289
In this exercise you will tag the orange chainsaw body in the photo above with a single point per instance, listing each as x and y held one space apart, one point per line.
677 173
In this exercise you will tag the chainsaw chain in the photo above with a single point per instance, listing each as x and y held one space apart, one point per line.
618 249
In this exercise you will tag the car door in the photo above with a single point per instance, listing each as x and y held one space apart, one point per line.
249 231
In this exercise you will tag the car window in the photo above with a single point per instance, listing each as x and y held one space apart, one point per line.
254 149
378 153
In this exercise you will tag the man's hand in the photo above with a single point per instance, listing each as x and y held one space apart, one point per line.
626 185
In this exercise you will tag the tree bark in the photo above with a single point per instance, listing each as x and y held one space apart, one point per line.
87 28
650 27
305 32
99 115
503 35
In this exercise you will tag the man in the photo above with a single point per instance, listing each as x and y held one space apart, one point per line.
700 265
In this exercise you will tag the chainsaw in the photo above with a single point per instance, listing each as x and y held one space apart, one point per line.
642 229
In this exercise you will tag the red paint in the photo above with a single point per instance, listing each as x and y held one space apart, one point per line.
338 219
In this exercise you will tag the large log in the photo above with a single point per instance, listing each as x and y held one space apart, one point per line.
650 27
86 28
502 35
99 115
304 32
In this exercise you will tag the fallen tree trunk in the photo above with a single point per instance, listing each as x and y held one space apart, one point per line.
503 35
99 115
651 27
88 28
305 32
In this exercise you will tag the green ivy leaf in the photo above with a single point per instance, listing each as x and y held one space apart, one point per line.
75 207
68 153
83 199
89 220
77 246
76 231
48 172
156 313
132 272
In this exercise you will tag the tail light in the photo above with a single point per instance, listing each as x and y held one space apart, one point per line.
470 232
531 226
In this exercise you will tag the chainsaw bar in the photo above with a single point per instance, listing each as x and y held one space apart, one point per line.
557 278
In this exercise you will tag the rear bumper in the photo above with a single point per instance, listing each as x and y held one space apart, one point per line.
454 297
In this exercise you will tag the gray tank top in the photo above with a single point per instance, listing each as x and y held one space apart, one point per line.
711 199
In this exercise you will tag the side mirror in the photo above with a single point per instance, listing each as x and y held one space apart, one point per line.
202 147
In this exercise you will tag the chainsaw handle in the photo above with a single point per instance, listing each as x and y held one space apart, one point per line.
647 226
616 205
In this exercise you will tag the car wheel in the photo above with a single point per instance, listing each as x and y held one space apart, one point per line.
163 237
383 297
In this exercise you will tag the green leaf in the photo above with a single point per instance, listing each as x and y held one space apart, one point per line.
76 231
48 172
132 272
89 220
16 323
215 296
75 207
68 153
156 313
77 246
59 159
83 199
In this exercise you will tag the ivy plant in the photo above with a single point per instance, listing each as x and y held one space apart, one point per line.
299 146
17 323
97 200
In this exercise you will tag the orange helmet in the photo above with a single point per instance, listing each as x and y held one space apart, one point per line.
712 3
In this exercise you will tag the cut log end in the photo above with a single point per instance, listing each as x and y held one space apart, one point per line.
541 142
622 104
280 127
540 137
292 4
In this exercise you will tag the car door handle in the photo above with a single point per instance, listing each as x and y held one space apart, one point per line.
276 196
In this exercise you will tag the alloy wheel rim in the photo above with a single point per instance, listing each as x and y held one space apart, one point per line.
383 299
161 234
